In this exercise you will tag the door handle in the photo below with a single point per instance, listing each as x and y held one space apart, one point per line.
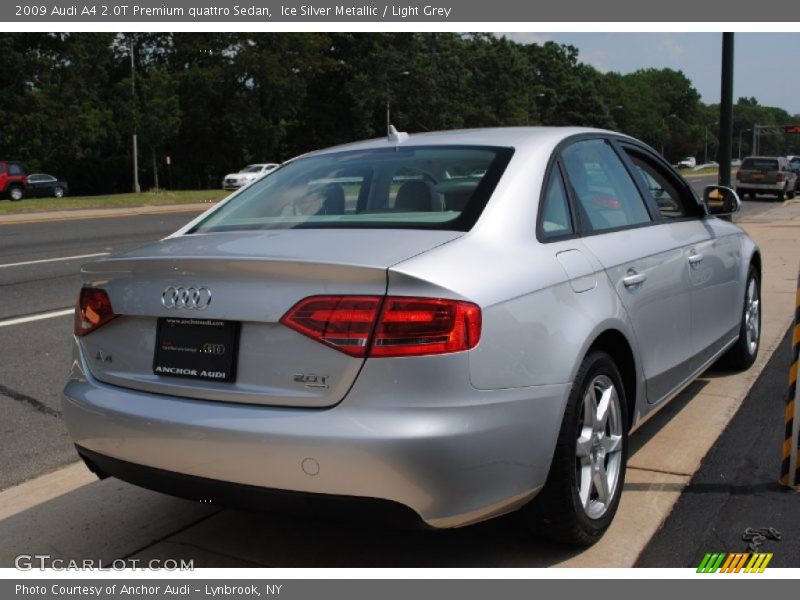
633 278
695 258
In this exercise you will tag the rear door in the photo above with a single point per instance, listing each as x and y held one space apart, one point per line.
642 257
35 184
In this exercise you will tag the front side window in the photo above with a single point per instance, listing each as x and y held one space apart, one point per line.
606 194
427 187
667 196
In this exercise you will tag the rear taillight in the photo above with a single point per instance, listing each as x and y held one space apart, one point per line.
415 326
394 326
738 175
780 177
93 310
343 322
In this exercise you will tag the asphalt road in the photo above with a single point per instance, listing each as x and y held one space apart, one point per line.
36 355
737 486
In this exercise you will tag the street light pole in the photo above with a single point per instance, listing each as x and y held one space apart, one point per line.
664 125
388 96
136 187
706 149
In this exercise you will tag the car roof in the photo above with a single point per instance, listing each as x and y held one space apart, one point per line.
515 137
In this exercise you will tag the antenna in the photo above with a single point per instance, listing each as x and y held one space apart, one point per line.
397 137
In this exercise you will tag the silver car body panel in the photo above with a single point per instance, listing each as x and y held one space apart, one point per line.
451 454
458 437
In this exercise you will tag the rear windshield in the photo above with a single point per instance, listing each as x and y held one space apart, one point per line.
760 164
429 187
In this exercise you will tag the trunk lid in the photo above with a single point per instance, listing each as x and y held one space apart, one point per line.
253 278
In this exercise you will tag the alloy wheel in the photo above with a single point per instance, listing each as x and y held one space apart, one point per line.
598 449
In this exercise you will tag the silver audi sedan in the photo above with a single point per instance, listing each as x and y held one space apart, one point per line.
449 325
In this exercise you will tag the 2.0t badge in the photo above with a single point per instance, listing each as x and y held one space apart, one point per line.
189 298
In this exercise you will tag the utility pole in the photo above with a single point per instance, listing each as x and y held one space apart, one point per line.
754 149
705 152
741 131
726 112
136 187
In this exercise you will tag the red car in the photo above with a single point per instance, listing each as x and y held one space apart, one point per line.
13 181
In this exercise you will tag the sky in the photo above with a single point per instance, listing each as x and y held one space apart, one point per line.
765 64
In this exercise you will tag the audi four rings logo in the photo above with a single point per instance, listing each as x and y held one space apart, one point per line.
215 349
188 298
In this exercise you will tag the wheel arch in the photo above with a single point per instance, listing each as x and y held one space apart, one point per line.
614 343
755 260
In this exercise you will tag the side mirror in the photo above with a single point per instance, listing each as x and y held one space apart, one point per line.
720 200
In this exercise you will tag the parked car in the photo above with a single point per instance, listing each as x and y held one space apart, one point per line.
41 184
794 165
233 181
766 175
690 162
452 347
13 182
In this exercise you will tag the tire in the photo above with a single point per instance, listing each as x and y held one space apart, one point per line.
58 192
781 195
790 195
743 354
572 508
15 193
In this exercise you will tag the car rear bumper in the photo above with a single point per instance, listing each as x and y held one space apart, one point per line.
451 465
772 188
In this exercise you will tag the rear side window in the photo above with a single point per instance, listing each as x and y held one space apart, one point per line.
14 169
555 220
606 194
424 187
760 164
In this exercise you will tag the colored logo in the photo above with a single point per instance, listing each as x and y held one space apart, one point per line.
744 562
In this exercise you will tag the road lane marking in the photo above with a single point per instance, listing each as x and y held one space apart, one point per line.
38 317
49 260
